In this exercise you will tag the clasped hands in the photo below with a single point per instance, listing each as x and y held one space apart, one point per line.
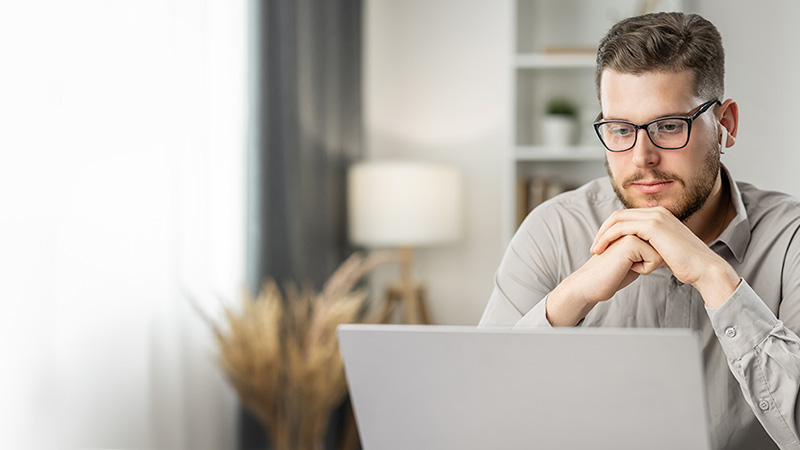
635 242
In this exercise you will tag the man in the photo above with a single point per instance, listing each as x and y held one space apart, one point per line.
669 239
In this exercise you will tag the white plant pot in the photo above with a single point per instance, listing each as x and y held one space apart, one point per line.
558 131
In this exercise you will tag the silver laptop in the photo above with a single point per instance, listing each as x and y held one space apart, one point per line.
463 388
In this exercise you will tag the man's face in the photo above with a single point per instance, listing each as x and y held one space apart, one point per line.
646 176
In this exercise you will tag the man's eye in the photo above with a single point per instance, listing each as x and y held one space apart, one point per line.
620 130
671 126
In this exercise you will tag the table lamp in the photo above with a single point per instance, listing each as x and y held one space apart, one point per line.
404 205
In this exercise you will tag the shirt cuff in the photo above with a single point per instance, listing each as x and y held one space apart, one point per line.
536 317
742 322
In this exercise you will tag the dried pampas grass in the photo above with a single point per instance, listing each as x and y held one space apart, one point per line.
282 356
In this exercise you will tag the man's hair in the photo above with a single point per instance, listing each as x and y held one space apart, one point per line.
666 42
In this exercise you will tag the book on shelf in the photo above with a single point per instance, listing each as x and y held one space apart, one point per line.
533 191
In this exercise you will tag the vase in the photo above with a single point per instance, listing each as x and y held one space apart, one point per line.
558 131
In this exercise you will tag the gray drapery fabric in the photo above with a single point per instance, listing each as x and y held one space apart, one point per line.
306 129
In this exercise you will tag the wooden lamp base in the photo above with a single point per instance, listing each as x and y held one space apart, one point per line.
410 294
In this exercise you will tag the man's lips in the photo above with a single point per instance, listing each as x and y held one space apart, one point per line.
651 187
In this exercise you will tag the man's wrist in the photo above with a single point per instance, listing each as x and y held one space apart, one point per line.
718 283
564 308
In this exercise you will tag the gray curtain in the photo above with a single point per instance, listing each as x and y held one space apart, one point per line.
306 130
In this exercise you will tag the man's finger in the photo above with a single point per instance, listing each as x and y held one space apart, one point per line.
618 230
638 222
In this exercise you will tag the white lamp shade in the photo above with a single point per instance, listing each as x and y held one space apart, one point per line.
398 204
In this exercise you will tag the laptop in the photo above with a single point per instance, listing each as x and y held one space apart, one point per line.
464 388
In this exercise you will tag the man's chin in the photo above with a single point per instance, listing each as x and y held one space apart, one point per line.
652 204
649 203
633 199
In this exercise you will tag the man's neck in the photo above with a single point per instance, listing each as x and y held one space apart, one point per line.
712 219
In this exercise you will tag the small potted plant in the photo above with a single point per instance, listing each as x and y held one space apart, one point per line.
560 123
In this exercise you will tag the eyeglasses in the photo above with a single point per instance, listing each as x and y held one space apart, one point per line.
670 133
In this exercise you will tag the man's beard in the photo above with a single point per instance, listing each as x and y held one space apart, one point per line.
690 200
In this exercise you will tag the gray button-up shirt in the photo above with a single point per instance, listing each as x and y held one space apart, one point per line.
750 347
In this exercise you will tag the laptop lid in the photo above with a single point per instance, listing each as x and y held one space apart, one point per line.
444 387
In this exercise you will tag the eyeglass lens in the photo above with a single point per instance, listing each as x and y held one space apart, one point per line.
665 133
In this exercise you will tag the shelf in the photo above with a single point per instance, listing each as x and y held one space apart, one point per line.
554 154
555 61
553 55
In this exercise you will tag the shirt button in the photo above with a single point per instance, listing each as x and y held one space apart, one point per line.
730 332
763 404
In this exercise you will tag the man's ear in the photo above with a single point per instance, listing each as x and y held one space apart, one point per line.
728 115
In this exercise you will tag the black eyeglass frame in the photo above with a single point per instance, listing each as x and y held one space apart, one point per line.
703 108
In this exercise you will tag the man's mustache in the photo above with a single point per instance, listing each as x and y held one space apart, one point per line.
652 174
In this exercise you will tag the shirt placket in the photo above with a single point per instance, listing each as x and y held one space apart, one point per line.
678 304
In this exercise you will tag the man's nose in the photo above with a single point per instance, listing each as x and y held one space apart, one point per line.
645 153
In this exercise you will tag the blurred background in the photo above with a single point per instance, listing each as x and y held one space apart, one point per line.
160 154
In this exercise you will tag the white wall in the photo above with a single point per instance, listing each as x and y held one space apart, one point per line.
437 86
763 76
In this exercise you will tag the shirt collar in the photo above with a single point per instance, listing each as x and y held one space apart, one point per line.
737 234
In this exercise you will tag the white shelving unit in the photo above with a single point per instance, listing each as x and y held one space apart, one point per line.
550 61
554 55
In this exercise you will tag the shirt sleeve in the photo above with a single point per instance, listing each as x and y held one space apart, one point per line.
764 356
501 312
526 275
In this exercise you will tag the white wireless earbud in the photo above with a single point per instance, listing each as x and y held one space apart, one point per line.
723 140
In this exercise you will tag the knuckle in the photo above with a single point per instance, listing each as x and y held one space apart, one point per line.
663 213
